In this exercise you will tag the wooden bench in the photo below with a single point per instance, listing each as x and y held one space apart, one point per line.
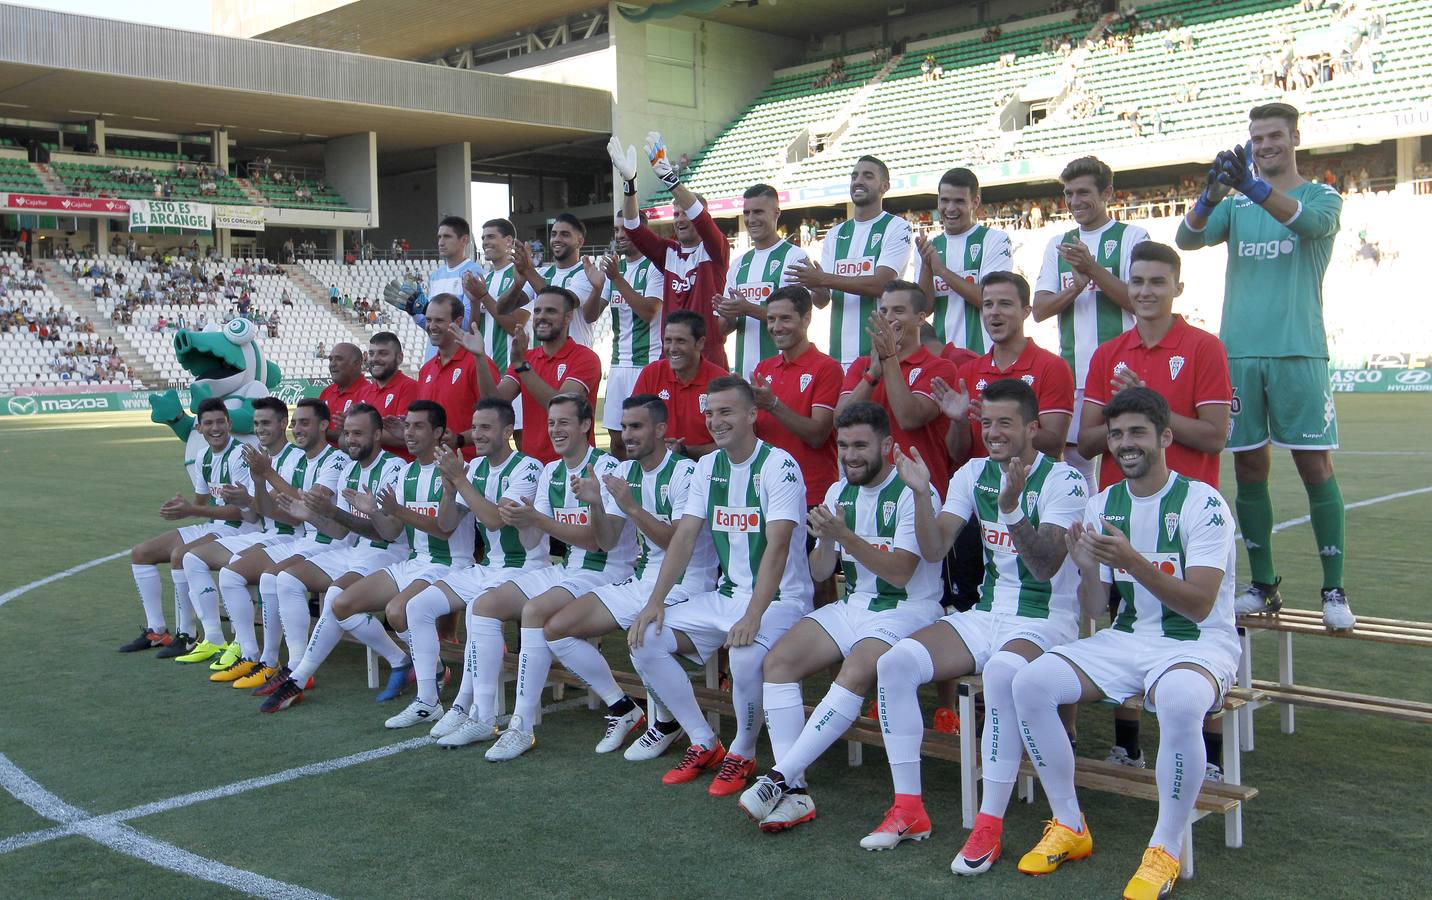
1289 694
1225 798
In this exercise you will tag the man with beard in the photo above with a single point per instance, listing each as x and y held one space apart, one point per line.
695 263
681 379
950 267
566 271
1284 228
859 258
649 489
345 367
632 290
867 525
390 390
1165 543
754 277
1024 502
558 364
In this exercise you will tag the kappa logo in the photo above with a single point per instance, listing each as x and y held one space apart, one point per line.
664 394
1170 524
561 372
805 381
456 374
1216 520
1212 503
1175 365
1027 379
980 385
914 374
1109 246
1120 368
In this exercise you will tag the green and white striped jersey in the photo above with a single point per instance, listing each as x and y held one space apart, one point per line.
1092 318
852 250
326 469
284 462
496 342
1185 524
575 280
972 254
635 341
515 478
422 492
754 276
556 500
210 470
386 470
1054 492
663 493
738 501
883 515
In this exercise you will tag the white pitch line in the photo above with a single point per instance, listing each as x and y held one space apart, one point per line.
1300 520
123 839
72 570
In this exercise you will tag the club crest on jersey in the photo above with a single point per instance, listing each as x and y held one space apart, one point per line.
805 381
701 402
456 374
561 371
756 482
974 253
1109 246
915 373
887 512
1175 365
664 493
388 402
875 238
1170 524
1031 501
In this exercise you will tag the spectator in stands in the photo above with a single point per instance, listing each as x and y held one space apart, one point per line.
319 352
680 378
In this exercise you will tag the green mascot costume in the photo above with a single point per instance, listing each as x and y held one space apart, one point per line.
226 362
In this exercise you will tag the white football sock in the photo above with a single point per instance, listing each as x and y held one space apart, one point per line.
424 610
484 659
326 635
1183 697
367 628
1000 745
668 682
293 613
901 670
204 594
785 717
151 595
828 721
534 661
746 687
234 591
183 609
272 619
1039 690
588 664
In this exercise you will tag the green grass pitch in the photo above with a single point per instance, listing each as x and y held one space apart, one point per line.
1342 812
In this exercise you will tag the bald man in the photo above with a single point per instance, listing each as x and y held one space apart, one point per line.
345 367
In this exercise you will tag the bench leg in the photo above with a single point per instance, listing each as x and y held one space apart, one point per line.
969 757
854 753
1245 681
499 704
1285 674
1026 789
713 680
1185 853
1232 774
372 660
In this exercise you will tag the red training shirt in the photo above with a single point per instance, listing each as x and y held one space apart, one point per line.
920 369
958 355
572 361
393 399
811 380
693 275
685 401
1047 373
340 399
1188 366
454 386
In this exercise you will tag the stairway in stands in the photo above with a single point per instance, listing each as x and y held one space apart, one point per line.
60 280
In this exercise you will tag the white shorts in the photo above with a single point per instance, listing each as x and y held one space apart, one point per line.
191 533
304 548
532 582
362 560
984 632
707 618
1124 665
626 600
621 381
410 570
471 582
238 543
850 623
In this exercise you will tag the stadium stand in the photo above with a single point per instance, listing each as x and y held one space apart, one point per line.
17 175
301 194
179 300
364 281
118 180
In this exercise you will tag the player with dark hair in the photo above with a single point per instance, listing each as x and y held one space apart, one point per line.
951 266
567 237
754 277
489 291
681 378
390 390
1284 228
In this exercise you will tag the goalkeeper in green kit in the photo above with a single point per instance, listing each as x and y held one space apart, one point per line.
1280 235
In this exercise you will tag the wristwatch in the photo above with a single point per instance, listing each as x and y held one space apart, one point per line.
870 379
522 367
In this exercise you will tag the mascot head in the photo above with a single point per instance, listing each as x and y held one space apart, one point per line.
225 358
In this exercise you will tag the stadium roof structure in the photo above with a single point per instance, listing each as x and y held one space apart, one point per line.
71 68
